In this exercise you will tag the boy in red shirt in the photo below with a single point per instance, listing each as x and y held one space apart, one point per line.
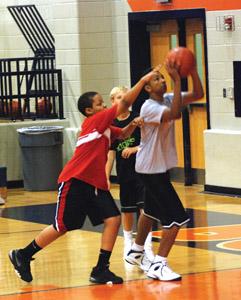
83 188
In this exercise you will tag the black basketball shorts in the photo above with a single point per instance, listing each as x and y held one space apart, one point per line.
161 200
131 195
76 200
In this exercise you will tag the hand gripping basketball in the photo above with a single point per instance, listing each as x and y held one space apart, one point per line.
184 58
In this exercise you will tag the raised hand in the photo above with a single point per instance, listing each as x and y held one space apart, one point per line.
172 66
146 78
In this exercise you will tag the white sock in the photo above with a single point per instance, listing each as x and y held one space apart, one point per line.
148 241
127 235
137 247
159 258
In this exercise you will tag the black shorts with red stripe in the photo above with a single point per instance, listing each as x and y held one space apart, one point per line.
78 199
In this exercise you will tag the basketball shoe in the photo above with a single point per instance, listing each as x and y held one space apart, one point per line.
139 259
134 257
161 270
21 265
127 247
149 253
104 276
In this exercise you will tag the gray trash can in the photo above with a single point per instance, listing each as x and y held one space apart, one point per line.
42 158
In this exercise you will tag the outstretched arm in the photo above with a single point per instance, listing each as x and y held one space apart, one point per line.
128 129
133 93
197 92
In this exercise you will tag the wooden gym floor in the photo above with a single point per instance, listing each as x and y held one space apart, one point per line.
207 253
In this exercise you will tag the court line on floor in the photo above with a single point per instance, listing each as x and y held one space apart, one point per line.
95 285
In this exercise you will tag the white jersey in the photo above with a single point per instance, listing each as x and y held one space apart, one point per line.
157 151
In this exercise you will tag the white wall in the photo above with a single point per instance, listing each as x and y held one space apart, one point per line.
223 48
224 158
222 142
92 50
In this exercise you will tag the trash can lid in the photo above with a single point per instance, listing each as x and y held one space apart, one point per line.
39 129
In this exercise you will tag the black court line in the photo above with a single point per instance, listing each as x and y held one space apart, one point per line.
44 214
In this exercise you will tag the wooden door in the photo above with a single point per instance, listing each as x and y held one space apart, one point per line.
198 112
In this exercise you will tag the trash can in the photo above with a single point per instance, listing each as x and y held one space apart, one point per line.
42 157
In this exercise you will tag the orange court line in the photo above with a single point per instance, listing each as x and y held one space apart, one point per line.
204 234
209 285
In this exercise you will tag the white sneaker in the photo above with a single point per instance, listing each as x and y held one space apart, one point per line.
161 271
145 263
149 253
127 247
2 201
148 247
134 257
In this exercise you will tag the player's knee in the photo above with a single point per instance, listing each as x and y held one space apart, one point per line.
117 221
113 221
60 230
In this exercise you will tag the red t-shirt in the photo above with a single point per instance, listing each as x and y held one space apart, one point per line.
90 156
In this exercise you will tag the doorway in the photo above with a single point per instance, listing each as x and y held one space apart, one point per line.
160 32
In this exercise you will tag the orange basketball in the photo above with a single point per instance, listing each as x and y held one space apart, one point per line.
185 58
14 112
44 106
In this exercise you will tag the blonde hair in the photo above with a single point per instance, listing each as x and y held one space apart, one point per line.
118 89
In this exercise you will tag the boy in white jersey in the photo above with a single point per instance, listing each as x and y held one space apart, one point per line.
156 155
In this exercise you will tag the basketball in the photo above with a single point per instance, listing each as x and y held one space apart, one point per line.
184 57
44 106
7 108
15 111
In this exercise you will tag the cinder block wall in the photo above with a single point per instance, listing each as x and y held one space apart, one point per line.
223 140
91 39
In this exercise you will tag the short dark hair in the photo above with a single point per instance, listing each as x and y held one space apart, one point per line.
86 101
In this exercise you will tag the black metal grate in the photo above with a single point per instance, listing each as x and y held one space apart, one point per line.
34 29
31 87
21 98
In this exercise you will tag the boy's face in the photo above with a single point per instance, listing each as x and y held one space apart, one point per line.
97 105
157 84
116 98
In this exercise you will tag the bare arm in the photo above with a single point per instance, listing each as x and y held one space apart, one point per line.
128 130
127 152
109 165
174 112
133 93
